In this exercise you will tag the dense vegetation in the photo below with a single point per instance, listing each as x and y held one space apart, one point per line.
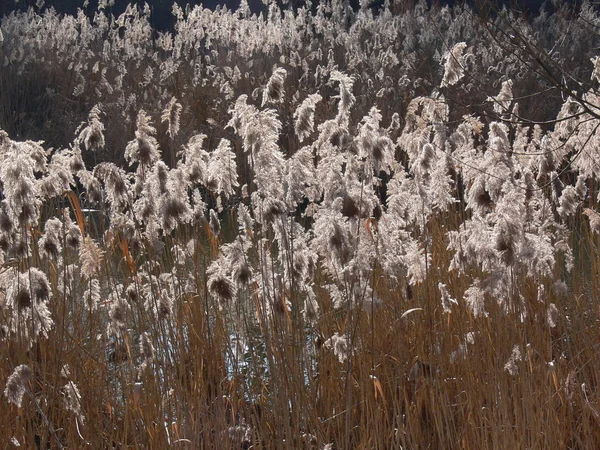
314 228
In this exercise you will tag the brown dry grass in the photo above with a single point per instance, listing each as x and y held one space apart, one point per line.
399 388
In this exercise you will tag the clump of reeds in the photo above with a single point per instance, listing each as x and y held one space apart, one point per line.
394 282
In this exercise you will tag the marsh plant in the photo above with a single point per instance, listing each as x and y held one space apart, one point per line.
308 228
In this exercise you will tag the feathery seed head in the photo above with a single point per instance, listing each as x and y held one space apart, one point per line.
90 257
454 66
16 385
171 115
273 92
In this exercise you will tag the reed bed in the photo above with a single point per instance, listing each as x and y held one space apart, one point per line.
299 249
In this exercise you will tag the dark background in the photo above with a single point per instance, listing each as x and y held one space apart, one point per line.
162 18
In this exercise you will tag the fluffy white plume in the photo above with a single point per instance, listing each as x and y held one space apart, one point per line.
454 65
171 115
